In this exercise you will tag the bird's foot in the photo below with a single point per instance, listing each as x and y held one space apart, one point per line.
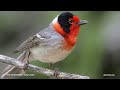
26 66
56 72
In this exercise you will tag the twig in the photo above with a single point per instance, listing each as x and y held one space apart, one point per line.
48 72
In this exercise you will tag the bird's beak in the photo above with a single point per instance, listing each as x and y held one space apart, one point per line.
82 22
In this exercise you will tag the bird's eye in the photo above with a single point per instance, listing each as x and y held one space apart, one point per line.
70 21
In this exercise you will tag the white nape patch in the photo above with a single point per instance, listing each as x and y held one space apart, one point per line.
39 36
55 19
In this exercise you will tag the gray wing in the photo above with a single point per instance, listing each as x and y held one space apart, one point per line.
30 42
46 37
33 41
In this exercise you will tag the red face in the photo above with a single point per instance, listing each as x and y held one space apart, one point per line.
70 37
74 20
68 25
74 31
75 26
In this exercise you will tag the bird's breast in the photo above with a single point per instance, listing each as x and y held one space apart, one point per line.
49 54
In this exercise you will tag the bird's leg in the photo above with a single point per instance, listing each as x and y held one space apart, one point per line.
28 57
27 61
51 64
56 72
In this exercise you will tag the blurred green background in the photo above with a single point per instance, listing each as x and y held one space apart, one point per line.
97 49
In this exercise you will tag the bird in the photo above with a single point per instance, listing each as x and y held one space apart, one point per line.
52 44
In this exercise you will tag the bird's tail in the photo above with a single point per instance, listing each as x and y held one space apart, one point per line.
11 71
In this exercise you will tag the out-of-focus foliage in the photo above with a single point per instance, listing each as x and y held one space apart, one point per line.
97 49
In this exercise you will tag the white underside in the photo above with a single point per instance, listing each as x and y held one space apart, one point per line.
48 54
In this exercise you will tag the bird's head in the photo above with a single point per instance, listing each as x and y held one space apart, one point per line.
68 25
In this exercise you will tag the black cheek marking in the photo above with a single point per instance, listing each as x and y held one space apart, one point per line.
63 20
67 30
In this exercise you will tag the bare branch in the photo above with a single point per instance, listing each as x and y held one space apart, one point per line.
48 72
